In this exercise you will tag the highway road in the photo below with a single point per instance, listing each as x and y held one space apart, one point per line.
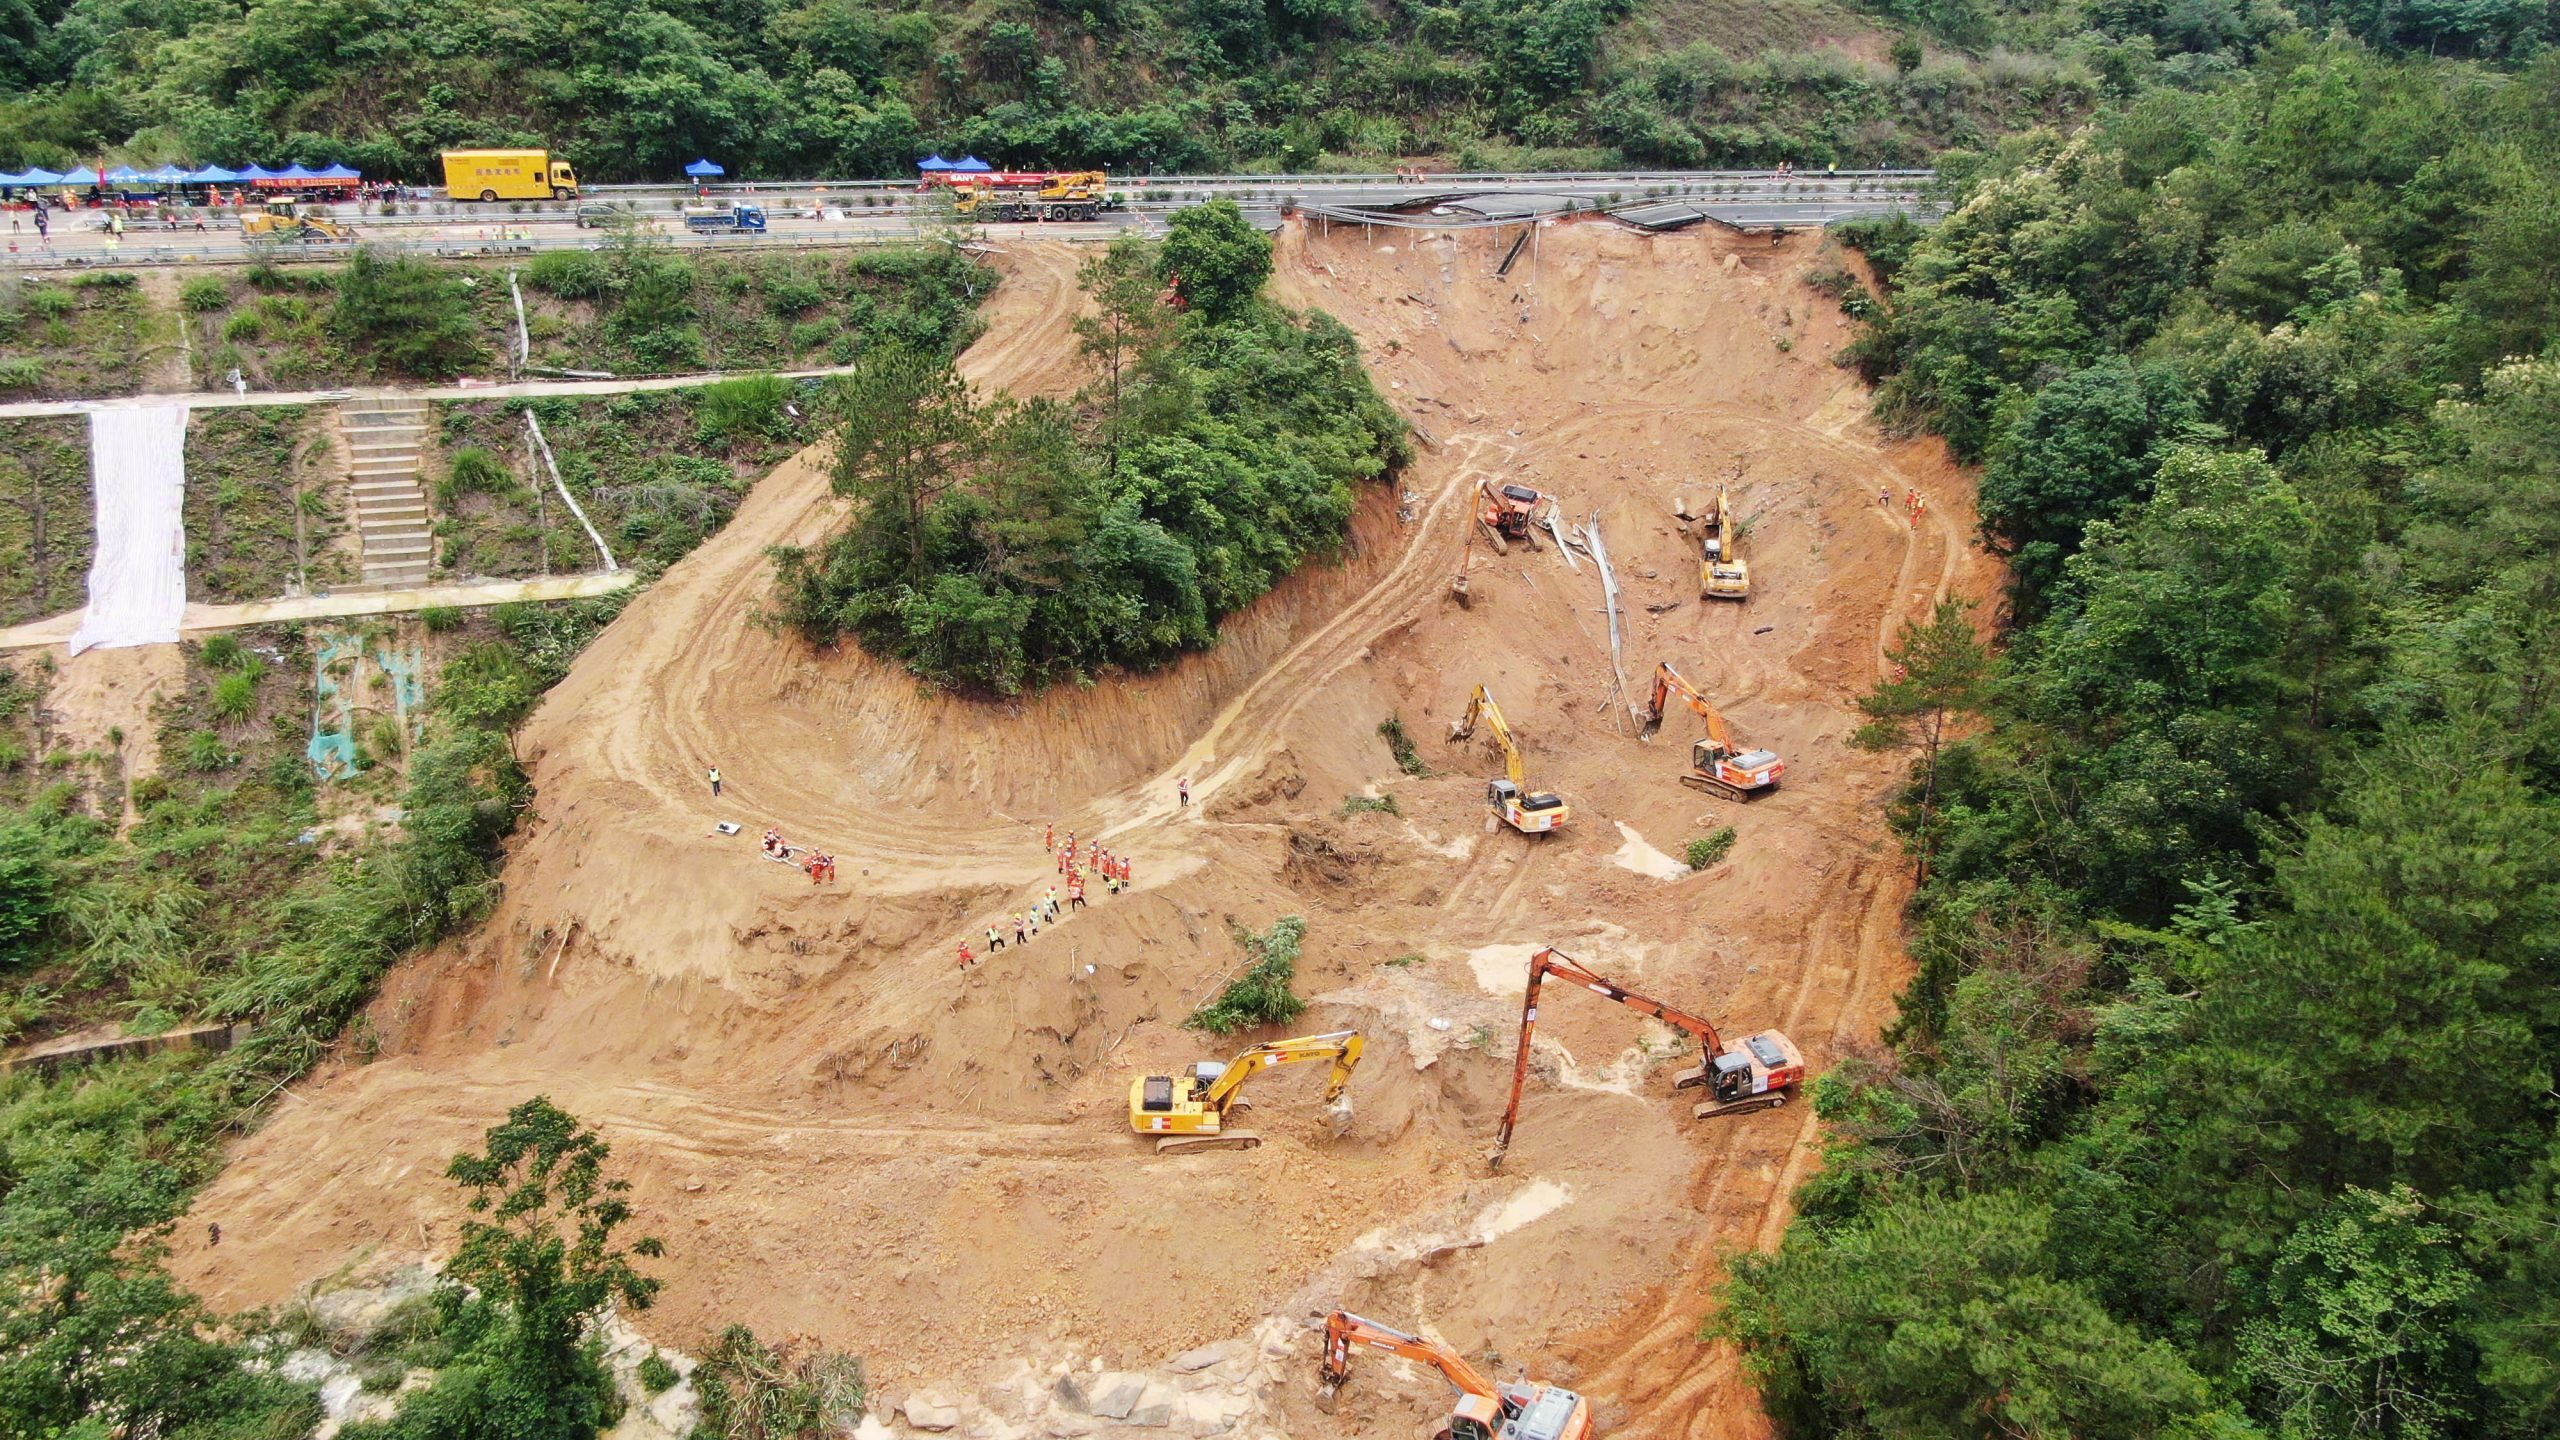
860 213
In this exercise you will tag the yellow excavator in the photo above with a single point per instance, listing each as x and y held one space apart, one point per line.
1715 765
1189 1111
285 220
1531 812
1486 1410
1722 572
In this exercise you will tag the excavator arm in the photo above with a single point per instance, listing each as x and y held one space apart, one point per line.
1342 1047
1549 962
1480 706
1668 682
1344 1330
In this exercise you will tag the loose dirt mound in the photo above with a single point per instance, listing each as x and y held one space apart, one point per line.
842 1135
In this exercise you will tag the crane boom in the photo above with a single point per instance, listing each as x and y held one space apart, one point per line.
1342 1047
1480 706
1343 1330
1754 1074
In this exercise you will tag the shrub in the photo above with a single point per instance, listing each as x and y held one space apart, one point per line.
21 372
224 652
244 327
50 303
572 275
106 280
478 472
755 1391
1262 995
656 1375
792 292
741 409
1370 805
204 753
441 618
1708 850
416 317
1399 744
235 696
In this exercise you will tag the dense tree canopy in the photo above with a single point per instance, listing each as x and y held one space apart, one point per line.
2237 1015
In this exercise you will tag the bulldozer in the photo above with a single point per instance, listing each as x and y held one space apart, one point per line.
1531 812
1486 1410
1756 1073
1189 1111
285 220
1715 764
1722 572
1511 515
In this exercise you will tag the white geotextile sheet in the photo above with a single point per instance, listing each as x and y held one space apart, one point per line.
138 580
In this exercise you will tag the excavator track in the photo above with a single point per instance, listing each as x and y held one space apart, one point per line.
1713 786
1230 1140
1769 1101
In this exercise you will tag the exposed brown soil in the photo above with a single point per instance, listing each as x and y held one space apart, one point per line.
843 1136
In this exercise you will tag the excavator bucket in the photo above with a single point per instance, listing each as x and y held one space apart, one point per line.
1652 723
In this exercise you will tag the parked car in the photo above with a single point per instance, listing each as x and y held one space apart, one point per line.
596 214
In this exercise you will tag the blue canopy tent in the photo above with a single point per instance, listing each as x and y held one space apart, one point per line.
703 170
253 172
124 175
294 172
82 176
211 175
336 172
27 178
167 175
934 164
973 165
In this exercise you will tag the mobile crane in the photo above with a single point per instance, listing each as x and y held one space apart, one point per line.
1755 1074
1722 572
1517 1410
1033 195
1716 765
1531 812
1189 1111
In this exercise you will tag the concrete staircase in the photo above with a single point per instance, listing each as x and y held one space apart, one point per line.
384 435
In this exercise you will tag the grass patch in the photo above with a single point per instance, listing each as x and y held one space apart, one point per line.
1370 805
47 518
241 506
59 340
1405 961
1263 994
638 463
1707 850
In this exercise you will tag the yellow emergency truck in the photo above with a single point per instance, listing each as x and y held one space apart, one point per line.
508 175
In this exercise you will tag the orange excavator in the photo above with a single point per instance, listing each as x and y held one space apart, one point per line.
1755 1074
1518 1410
1716 765
1511 513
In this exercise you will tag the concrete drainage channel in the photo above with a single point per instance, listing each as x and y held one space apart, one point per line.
390 506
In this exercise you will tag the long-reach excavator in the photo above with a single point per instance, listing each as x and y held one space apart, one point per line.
1722 572
1189 1111
1716 765
1531 812
1754 1075
1515 1410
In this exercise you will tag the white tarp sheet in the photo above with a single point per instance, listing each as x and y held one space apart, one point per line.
138 580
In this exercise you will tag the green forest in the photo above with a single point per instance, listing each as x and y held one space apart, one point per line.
2222 1102
1000 544
632 89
